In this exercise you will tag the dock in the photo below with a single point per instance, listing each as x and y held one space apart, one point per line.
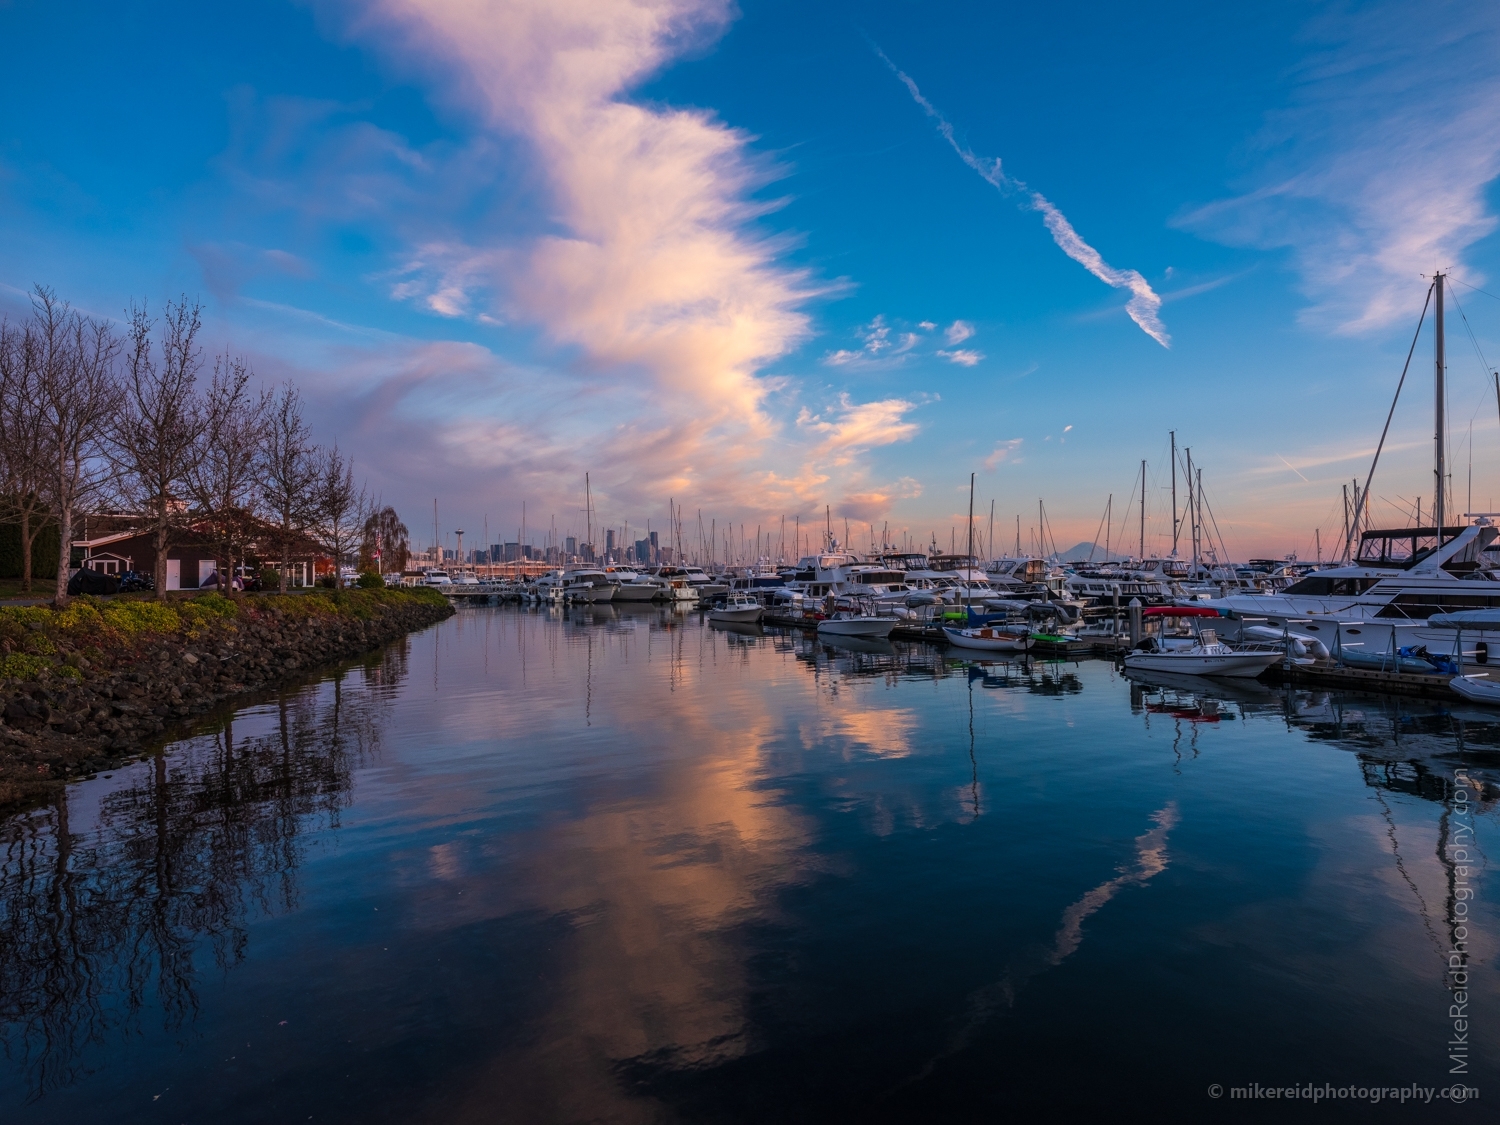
1361 679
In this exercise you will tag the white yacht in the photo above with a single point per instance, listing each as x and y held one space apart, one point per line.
588 585
673 585
1399 576
631 585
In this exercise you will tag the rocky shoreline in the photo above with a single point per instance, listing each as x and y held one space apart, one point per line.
88 687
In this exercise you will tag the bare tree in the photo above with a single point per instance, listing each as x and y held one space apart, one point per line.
386 542
289 476
162 424
224 475
80 400
22 464
340 508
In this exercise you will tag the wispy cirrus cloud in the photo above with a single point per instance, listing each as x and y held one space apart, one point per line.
1144 305
850 428
1004 451
958 332
1379 169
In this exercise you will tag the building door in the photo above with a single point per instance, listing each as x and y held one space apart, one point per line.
206 567
174 574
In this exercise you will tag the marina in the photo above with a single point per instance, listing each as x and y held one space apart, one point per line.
682 562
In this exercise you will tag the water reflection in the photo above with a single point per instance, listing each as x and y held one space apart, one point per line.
629 866
107 899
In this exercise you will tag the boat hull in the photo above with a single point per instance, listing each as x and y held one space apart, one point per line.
1476 690
876 627
1234 665
987 640
632 592
741 616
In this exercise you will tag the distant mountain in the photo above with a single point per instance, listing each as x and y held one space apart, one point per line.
1079 552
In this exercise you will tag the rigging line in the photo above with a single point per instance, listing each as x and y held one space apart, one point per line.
1476 288
1124 520
1364 496
1223 546
1469 328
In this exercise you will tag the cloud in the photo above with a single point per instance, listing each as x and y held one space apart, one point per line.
958 332
926 325
876 344
1143 306
1379 168
1004 451
849 427
962 356
650 278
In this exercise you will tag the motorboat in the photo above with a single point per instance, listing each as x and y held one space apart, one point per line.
1206 656
706 584
588 586
740 608
630 585
851 623
991 638
673 584
437 578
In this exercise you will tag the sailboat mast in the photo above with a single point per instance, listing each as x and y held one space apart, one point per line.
1192 513
1143 510
1439 509
1174 492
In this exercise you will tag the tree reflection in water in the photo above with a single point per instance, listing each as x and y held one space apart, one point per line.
98 920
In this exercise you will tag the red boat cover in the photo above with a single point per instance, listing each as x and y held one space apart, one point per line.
1180 611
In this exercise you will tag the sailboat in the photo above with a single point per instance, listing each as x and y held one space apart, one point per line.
987 638
1396 577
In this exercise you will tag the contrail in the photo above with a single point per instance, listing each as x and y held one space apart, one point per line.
1143 304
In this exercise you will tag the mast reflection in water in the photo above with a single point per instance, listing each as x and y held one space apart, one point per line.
618 865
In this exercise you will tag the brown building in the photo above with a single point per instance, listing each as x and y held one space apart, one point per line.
189 564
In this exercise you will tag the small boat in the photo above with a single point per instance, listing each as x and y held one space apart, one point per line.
740 608
990 638
848 623
1477 688
1208 656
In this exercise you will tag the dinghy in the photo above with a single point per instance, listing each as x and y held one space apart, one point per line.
990 638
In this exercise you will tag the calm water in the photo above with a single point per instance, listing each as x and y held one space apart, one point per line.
605 867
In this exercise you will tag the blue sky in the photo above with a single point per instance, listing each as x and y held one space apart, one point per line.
723 254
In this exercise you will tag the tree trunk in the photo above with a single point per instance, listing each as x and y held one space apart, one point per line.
64 551
161 554
26 540
286 558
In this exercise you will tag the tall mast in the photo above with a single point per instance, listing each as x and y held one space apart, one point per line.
1174 492
1143 510
1192 513
1439 509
